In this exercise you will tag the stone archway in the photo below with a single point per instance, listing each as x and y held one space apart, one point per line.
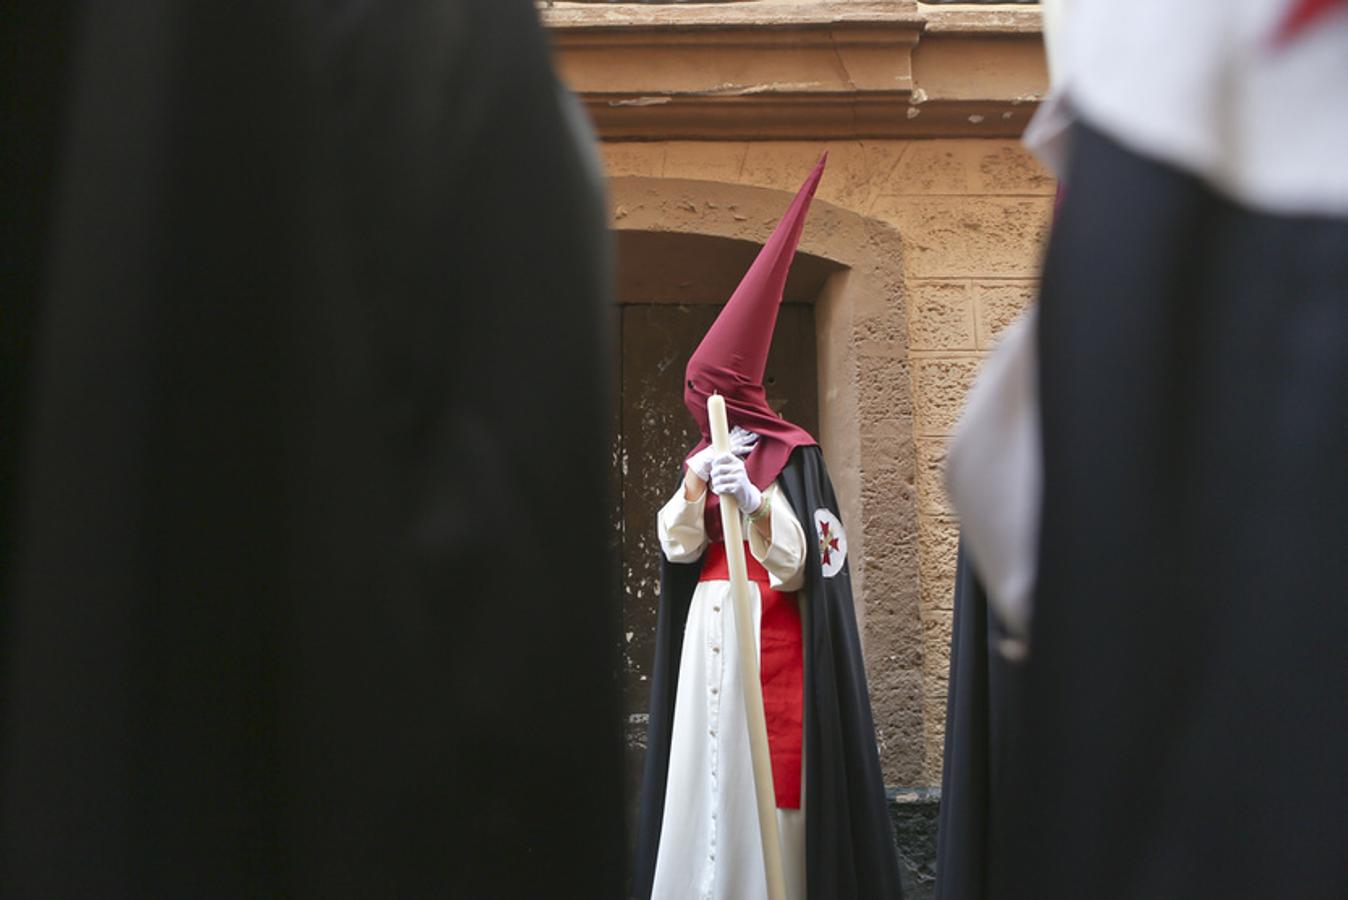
688 241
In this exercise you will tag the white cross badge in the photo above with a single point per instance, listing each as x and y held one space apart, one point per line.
832 542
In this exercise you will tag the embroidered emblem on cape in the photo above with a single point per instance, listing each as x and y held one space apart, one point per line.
832 542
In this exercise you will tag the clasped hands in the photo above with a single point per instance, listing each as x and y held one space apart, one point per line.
725 472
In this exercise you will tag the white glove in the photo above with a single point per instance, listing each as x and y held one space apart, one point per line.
741 444
729 479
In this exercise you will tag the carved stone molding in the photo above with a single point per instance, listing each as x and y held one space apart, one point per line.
799 71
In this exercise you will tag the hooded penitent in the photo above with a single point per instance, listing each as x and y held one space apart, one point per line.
732 357
849 839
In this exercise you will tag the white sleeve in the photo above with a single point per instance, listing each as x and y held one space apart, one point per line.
683 534
784 556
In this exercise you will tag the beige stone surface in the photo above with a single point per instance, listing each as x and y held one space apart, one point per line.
901 736
984 236
934 167
997 305
1006 167
941 316
632 159
931 493
994 166
938 548
971 67
935 748
783 165
884 391
883 160
704 161
856 170
940 385
936 626
934 689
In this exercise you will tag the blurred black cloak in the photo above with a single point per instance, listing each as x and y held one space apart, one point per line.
980 706
310 350
1184 722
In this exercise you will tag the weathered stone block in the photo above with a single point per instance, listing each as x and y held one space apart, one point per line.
938 591
935 757
988 237
882 329
849 179
993 166
883 389
897 703
705 160
998 305
894 642
936 624
887 481
933 167
940 316
937 553
633 159
940 385
783 165
882 161
1006 167
931 495
892 600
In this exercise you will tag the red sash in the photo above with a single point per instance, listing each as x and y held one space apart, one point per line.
781 669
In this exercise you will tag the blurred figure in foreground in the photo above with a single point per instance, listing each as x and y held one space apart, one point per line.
1185 695
317 368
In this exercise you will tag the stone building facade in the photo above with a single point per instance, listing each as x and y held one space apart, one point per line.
922 244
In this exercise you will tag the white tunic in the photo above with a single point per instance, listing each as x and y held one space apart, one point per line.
709 837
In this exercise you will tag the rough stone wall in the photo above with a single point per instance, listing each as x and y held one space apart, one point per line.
970 217
973 216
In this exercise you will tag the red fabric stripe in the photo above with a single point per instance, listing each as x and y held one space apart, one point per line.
1302 15
716 567
781 670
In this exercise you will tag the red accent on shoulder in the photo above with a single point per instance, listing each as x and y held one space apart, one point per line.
1302 16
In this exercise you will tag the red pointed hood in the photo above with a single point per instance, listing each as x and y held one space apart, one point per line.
734 353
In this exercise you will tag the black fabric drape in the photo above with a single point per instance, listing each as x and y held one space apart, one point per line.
850 849
319 360
1186 707
980 717
34 69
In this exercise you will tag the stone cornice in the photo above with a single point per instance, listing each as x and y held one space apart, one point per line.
798 71
723 16
983 20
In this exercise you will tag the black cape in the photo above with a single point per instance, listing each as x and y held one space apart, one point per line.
978 734
306 287
850 849
1186 693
